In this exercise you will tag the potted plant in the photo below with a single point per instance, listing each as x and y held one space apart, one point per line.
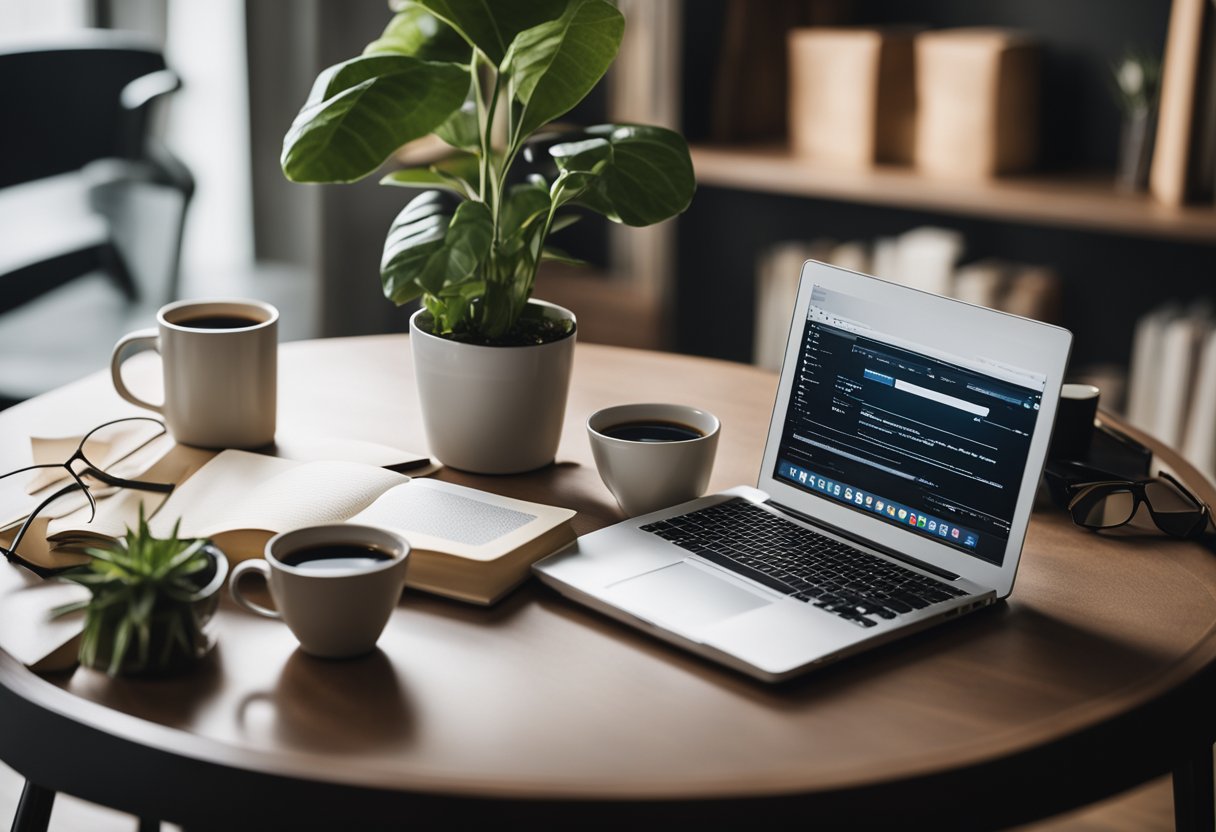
152 600
492 363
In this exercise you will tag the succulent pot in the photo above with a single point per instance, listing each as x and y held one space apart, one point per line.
493 410
169 652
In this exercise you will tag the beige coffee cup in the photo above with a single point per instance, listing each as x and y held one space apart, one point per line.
220 368
334 607
647 476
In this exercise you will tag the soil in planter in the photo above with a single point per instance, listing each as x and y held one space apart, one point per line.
527 332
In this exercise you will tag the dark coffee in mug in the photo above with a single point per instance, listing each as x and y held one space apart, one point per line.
218 322
653 431
336 557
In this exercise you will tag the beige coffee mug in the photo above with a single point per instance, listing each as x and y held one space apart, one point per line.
334 600
220 368
646 476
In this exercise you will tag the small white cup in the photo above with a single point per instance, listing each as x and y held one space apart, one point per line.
333 613
648 476
219 381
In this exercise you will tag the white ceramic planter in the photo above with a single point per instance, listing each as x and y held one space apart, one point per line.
493 410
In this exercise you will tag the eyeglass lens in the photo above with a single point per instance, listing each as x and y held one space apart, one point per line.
1173 511
1104 507
1108 505
80 479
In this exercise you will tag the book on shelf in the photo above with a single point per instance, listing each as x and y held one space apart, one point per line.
1172 384
1178 122
1199 441
465 544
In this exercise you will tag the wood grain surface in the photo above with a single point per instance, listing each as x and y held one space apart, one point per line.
539 699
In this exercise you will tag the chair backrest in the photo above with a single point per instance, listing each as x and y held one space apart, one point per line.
61 101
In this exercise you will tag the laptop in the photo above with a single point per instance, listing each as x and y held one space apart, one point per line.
904 450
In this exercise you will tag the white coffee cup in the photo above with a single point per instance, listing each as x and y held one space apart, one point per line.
220 368
335 609
645 476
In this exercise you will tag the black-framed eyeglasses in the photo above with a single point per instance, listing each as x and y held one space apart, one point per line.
1099 499
87 471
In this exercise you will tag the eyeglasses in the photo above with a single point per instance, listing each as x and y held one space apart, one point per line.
1098 499
87 470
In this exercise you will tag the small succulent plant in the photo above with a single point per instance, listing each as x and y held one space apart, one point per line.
151 599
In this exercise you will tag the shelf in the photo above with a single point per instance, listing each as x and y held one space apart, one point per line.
1091 203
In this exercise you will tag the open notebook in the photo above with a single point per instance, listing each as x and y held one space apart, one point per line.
466 544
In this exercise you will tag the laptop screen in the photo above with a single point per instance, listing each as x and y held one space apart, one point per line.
884 423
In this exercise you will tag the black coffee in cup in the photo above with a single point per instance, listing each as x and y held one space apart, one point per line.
218 322
653 431
336 557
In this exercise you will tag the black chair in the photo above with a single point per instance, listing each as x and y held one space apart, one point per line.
92 206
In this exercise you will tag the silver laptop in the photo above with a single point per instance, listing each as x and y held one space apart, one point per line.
903 453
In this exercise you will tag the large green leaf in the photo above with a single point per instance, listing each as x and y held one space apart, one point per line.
462 129
416 32
457 173
362 110
525 205
491 25
465 246
429 251
634 174
555 64
415 235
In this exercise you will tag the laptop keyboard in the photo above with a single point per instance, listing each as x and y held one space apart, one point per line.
794 560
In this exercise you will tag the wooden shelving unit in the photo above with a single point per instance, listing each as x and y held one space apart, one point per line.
1085 202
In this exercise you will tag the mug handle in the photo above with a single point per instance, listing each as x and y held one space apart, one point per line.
127 346
261 567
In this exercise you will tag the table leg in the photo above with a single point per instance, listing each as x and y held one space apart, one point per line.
34 810
1194 803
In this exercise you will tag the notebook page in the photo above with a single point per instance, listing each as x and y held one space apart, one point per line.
308 494
210 494
443 517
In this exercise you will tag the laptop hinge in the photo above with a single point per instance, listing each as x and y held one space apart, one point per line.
836 530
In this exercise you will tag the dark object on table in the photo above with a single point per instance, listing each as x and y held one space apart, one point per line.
1114 450
87 198
1074 426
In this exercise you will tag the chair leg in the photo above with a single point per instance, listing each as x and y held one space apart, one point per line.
34 810
1194 800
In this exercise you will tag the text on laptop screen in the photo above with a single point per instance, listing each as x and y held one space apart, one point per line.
929 441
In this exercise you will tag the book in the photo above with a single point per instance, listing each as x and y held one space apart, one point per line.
28 633
465 544
1173 152
1179 348
1201 184
1199 441
1144 378
777 274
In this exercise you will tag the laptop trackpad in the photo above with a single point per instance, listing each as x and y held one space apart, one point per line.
683 596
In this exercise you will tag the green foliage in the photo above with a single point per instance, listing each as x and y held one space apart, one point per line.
143 614
446 67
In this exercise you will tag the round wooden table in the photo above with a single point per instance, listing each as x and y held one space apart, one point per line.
1096 675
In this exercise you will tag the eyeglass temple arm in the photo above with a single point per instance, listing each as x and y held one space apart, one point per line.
119 482
1183 488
